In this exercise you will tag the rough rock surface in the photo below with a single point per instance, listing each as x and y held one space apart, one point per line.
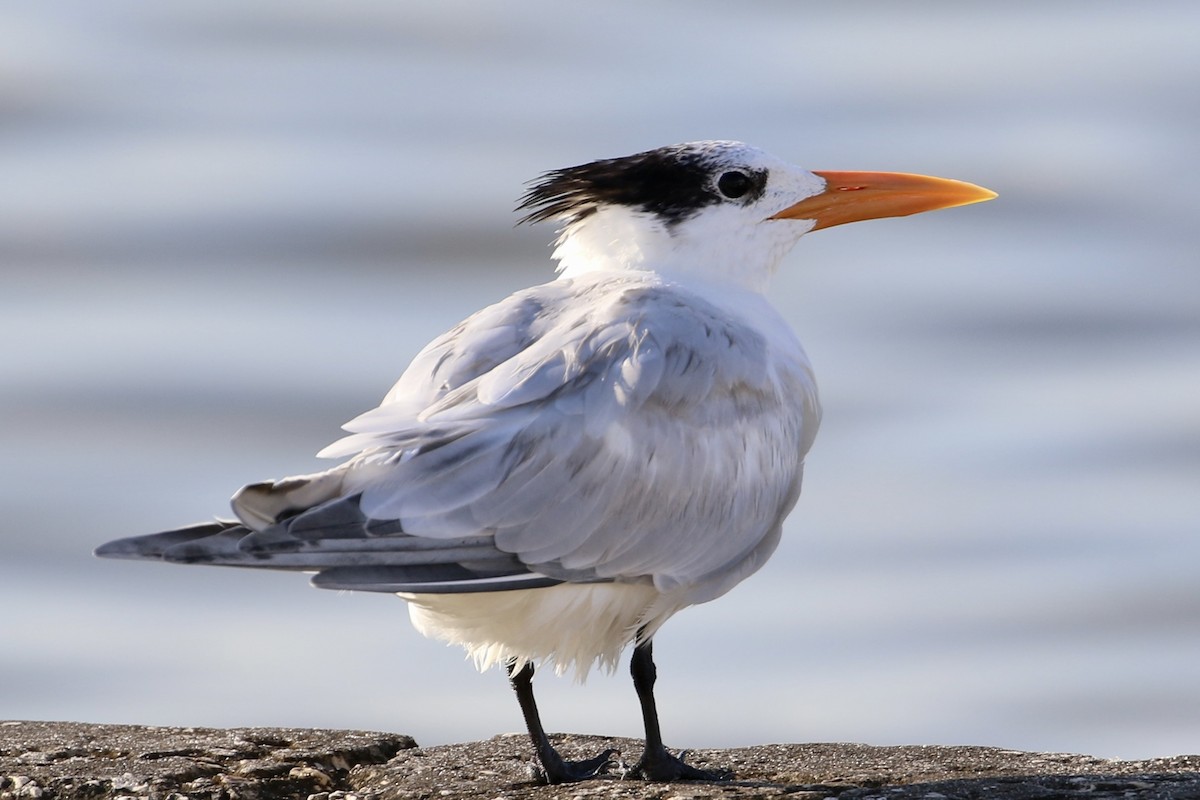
74 760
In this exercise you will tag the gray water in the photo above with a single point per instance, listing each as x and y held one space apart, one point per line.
226 227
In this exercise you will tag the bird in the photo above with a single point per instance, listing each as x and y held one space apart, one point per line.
553 478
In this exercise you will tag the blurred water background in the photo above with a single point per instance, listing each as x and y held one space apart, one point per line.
226 227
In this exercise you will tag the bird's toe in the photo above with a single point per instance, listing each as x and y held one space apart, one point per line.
554 771
661 766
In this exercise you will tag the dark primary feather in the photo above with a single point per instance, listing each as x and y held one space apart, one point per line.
673 182
345 549
155 545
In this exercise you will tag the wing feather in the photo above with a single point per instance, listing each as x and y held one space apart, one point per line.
592 429
408 561
639 432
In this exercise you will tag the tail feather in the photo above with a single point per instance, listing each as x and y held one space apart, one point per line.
452 579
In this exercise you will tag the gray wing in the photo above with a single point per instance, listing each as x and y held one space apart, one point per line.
581 431
639 434
347 550
315 523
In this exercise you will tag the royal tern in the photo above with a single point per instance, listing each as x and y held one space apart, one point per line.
553 478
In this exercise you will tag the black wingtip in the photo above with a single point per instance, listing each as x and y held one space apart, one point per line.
119 548
155 545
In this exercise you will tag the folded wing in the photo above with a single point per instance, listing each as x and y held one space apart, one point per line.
599 430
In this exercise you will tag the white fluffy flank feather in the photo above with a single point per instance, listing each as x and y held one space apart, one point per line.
572 626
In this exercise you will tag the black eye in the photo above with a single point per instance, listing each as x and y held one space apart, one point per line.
734 184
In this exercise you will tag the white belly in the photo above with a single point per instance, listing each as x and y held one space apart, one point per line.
570 625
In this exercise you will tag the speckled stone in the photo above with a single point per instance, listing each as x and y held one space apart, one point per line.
104 762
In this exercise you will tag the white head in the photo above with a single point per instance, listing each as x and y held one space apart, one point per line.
721 211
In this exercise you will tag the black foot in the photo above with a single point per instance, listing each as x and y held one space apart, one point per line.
662 766
554 770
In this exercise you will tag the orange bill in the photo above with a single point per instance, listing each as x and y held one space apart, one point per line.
855 196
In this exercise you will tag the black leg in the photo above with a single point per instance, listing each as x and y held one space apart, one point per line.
656 763
554 768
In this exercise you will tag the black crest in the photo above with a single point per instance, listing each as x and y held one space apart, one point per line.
673 182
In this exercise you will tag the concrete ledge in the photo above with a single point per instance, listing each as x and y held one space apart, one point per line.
74 760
